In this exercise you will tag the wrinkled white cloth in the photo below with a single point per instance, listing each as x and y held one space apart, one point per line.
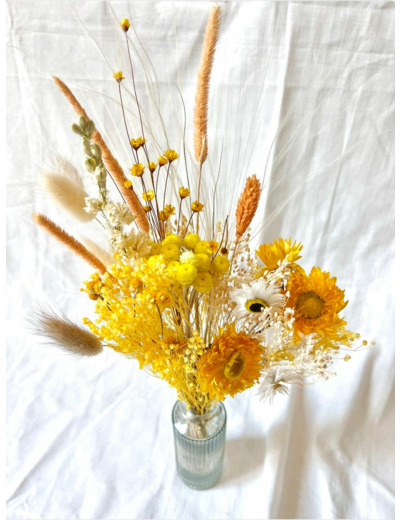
308 86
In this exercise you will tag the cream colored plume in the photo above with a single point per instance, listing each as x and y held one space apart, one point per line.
65 334
64 184
102 254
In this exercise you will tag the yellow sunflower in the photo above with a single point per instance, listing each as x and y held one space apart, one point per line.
316 301
230 365
272 254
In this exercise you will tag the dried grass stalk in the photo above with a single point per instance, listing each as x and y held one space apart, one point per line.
247 205
112 164
69 241
203 83
65 334
64 184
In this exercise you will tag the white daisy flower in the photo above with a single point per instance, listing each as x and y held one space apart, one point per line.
257 298
277 380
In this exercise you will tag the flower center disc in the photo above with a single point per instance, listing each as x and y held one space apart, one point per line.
235 365
256 305
310 305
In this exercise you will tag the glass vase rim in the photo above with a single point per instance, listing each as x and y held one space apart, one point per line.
178 401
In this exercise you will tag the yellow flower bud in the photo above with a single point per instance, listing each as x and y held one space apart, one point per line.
186 274
137 143
170 155
203 282
203 247
220 264
191 240
170 251
152 166
137 170
172 239
197 206
202 262
125 24
118 76
148 195
183 192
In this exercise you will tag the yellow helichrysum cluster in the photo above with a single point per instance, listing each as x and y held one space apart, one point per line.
142 313
191 261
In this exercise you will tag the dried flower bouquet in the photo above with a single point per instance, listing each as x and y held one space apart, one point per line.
190 300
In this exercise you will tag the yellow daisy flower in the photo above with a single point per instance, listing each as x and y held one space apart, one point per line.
137 143
316 301
137 170
183 192
162 160
148 195
197 206
118 76
152 166
273 254
232 364
170 155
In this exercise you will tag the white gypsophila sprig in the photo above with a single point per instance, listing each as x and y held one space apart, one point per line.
278 379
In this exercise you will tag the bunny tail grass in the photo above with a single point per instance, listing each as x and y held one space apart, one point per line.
247 205
65 186
110 161
65 334
69 241
203 82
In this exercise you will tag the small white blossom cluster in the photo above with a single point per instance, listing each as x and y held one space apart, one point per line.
129 243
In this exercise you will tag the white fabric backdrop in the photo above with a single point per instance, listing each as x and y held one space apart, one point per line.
92 439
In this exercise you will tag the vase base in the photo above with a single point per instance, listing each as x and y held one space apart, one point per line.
199 481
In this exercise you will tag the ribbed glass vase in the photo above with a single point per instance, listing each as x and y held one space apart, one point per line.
199 444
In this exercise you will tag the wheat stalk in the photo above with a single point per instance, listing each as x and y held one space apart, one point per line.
67 335
110 161
247 205
203 83
69 241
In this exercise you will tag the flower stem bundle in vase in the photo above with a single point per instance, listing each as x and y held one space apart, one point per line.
190 301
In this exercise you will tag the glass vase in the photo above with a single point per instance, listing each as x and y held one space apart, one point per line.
199 444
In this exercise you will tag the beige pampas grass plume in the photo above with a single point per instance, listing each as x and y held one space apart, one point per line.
203 83
65 186
247 205
69 241
102 254
65 334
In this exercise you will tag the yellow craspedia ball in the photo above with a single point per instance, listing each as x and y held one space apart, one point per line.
172 239
170 251
191 240
203 282
220 265
202 262
186 273
203 247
